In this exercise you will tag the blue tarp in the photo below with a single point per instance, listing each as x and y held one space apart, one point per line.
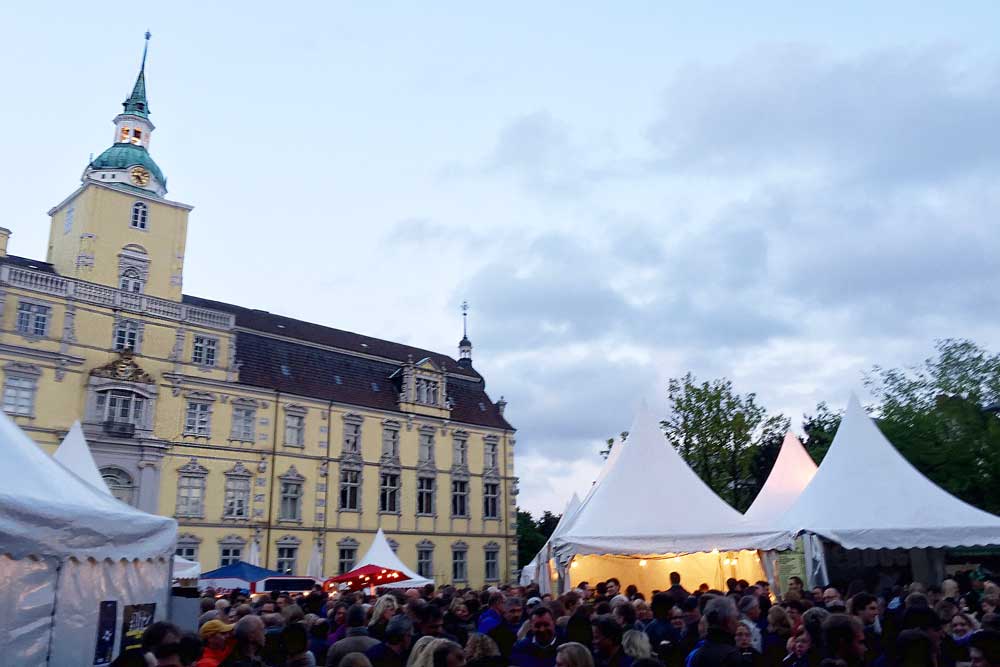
241 570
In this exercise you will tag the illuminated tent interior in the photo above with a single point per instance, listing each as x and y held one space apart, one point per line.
649 514
791 473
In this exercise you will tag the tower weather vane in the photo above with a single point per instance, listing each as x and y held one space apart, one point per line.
465 318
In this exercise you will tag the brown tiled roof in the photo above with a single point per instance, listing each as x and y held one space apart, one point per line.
333 375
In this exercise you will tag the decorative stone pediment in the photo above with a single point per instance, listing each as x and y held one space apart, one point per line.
123 369
239 470
192 467
292 475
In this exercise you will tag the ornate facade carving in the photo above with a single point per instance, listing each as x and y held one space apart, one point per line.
123 369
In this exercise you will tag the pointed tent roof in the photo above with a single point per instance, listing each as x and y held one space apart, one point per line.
47 511
530 572
75 456
792 472
381 554
136 104
648 473
865 495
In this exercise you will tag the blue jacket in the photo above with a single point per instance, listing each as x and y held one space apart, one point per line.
526 653
488 620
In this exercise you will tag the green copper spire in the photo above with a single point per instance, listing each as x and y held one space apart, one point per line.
136 103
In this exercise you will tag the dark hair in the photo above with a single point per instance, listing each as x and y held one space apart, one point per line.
920 618
614 579
987 641
794 604
397 628
631 590
626 611
319 630
295 638
167 650
731 584
602 608
430 613
190 648
156 633
356 616
495 599
914 649
797 580
540 610
838 630
675 578
609 628
601 588
442 652
647 662
860 601
661 605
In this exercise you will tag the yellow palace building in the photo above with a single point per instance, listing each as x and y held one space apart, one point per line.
250 428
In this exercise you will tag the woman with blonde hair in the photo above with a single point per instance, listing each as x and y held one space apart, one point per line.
382 613
418 649
482 651
573 654
635 644
423 656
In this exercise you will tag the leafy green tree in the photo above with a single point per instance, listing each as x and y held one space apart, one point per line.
529 539
942 416
610 442
729 439
820 429
547 524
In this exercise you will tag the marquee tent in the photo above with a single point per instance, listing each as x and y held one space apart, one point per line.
865 495
236 575
792 472
68 550
537 571
650 514
75 456
381 554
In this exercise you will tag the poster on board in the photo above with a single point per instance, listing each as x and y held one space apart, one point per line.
135 619
104 648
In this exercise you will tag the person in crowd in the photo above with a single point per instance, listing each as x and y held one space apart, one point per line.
458 622
382 612
624 613
191 649
643 614
156 635
915 648
749 607
356 639
248 634
274 652
794 609
984 649
578 628
719 648
215 636
844 639
168 655
539 648
635 644
676 591
481 651
432 622
960 630
749 656
493 615
394 649
865 607
795 585
295 641
338 622
775 640
613 587
830 596
319 642
418 649
801 651
812 622
355 660
661 630
505 634
573 654
448 654
608 643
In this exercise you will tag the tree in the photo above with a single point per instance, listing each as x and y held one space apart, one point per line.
605 453
942 416
529 539
547 524
729 439
820 429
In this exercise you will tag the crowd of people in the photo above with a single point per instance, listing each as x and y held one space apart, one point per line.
954 625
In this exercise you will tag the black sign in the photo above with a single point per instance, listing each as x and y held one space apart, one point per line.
107 616
135 619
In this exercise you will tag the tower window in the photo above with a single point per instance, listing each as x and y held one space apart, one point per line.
131 281
126 131
140 214
137 136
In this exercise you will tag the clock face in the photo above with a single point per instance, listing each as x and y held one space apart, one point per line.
140 176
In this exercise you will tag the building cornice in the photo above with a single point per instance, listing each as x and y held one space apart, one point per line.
108 186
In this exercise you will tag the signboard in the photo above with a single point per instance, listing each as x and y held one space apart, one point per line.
135 619
107 617
791 564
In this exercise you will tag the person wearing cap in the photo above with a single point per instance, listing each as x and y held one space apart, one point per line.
215 635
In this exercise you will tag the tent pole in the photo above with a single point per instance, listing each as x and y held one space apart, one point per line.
55 602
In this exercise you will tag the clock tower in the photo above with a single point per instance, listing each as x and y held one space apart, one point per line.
118 229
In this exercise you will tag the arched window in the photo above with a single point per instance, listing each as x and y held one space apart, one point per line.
140 214
131 281
121 484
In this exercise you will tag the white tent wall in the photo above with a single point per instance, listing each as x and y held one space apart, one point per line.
84 584
27 594
654 573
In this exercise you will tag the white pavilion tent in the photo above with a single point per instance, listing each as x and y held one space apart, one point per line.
865 495
66 549
791 473
75 456
381 554
650 514
538 570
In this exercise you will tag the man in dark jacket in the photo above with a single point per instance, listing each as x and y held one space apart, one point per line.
356 640
539 648
719 648
505 634
395 649
608 643
676 591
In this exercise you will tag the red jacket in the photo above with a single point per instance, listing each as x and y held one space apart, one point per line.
212 657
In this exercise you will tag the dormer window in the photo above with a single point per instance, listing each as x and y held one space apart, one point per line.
427 391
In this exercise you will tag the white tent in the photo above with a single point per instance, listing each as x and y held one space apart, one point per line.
68 550
649 514
381 554
537 571
186 569
792 472
865 495
75 456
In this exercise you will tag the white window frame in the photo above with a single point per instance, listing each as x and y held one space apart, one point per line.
236 500
426 497
389 488
187 546
198 418
390 441
287 554
125 330
190 495
459 562
20 389
204 350
139 217
290 503
120 483
425 449
131 281
491 455
33 318
350 478
491 560
352 434
244 423
491 500
230 554
459 495
460 452
425 559
347 554
295 429
110 403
